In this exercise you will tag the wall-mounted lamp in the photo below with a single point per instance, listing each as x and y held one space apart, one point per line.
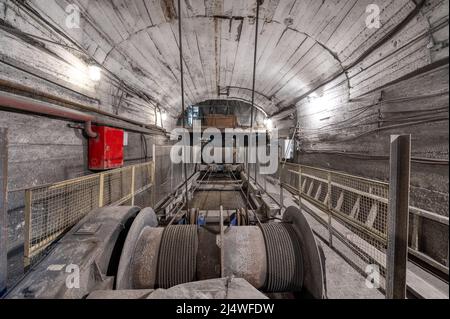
95 73
268 123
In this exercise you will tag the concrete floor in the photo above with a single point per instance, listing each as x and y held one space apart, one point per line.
343 281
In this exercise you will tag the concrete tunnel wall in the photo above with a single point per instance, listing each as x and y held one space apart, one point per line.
401 87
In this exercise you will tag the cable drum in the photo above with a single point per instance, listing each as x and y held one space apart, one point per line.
284 258
177 255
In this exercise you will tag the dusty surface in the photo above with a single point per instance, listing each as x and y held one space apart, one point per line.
223 288
120 294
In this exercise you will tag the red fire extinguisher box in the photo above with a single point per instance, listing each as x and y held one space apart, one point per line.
106 150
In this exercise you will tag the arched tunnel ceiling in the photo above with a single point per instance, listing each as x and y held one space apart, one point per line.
302 44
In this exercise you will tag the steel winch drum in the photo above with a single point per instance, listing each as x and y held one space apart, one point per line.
284 258
177 255
273 257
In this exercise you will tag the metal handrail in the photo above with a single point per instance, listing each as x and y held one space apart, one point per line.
325 205
414 210
48 215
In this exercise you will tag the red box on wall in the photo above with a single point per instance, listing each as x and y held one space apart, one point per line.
106 150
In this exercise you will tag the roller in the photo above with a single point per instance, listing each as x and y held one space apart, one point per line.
273 257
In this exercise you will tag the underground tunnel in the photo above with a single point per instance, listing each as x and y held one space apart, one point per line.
224 149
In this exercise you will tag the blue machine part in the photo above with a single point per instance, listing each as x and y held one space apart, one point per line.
233 221
201 221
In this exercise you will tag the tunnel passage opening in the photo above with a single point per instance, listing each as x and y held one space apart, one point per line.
222 113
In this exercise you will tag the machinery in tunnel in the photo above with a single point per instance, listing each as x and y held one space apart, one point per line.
100 100
218 224
122 249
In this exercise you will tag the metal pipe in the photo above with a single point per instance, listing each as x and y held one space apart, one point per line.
88 129
23 103
138 126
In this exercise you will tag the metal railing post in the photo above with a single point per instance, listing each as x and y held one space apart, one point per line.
398 213
28 230
281 194
256 169
133 170
330 226
222 255
153 182
101 189
265 182
447 262
300 188
415 227
3 209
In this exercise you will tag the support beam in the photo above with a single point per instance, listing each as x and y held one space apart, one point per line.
183 113
397 245
3 208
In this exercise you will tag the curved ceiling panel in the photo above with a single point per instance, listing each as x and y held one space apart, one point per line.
301 45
